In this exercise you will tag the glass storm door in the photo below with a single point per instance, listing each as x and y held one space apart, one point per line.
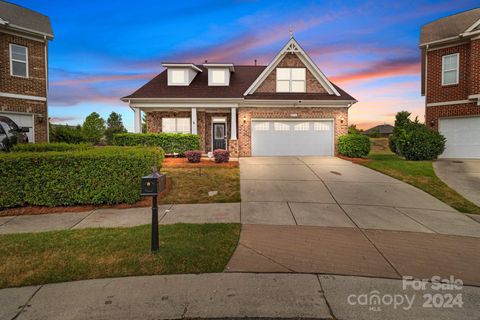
219 136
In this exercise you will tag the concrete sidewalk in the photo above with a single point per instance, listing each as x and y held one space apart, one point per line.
230 296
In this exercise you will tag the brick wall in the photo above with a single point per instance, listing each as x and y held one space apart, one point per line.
35 84
475 67
29 106
291 61
244 129
434 113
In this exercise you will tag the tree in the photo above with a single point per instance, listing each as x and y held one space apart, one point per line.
93 128
402 120
352 129
114 125
144 123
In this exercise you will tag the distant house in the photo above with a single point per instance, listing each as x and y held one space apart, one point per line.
451 81
24 36
286 108
383 130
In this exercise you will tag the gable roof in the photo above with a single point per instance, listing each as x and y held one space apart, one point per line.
452 26
382 128
292 46
17 17
240 80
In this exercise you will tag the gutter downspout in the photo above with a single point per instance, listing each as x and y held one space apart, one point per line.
46 87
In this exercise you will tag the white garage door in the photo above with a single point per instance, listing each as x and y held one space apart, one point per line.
22 120
292 138
463 137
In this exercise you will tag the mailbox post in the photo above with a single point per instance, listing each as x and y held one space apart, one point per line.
152 185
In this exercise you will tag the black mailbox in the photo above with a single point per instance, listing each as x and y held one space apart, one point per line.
153 184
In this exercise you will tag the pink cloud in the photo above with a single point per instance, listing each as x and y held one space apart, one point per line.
103 78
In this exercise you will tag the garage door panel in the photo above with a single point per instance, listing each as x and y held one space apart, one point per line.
291 138
463 137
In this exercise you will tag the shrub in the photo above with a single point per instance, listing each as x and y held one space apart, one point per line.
171 143
67 134
105 175
193 156
221 155
354 145
45 147
417 142
402 119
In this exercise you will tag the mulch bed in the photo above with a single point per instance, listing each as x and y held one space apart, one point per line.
204 163
354 160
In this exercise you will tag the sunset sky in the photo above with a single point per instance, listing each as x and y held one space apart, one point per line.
104 50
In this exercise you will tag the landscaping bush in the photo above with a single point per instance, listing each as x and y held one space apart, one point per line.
105 175
221 155
417 142
171 143
354 145
46 147
67 134
193 156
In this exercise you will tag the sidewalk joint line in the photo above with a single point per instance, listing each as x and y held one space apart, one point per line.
6 222
353 221
420 223
165 213
81 220
266 257
291 212
325 297
27 302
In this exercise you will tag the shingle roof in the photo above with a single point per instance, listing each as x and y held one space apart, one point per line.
382 128
16 15
448 27
240 80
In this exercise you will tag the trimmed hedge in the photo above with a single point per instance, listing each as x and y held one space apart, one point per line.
105 175
169 142
354 145
46 147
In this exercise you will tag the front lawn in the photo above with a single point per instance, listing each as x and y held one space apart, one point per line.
39 258
191 185
421 175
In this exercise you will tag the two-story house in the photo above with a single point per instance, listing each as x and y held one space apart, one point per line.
288 107
24 36
451 81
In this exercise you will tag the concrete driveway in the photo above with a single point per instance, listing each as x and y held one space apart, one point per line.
330 192
461 175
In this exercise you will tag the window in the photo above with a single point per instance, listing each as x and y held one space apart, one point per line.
302 126
261 126
178 77
321 126
218 77
450 69
280 126
18 61
176 125
291 79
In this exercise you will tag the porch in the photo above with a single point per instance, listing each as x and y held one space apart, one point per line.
216 127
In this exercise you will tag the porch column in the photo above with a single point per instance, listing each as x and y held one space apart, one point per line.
233 125
137 125
194 121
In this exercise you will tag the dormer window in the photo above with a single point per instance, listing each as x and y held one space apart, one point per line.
291 79
219 73
181 74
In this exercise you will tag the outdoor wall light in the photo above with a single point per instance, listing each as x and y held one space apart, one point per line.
244 119
432 123
342 120
40 117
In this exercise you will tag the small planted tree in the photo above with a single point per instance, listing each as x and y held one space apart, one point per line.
114 125
93 128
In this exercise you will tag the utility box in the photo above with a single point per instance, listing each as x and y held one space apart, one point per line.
153 184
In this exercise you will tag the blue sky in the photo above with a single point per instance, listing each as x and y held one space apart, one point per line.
104 50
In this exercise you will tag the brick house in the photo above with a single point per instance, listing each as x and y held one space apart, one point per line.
24 36
288 107
451 81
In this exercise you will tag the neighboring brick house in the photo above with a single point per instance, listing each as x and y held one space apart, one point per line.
286 108
24 36
451 81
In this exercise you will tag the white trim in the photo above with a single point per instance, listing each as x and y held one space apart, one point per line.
457 69
21 96
148 105
230 66
292 47
473 26
137 124
456 44
13 26
296 119
22 35
438 41
193 118
447 103
298 103
233 124
181 65
15 60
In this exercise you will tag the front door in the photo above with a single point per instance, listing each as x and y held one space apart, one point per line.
219 136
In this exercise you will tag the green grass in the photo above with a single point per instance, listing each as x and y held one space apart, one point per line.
191 185
421 175
39 258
